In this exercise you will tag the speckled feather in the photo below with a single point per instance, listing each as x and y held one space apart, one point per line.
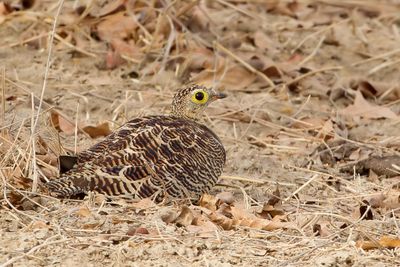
154 156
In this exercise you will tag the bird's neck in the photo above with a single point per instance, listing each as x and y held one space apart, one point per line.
186 116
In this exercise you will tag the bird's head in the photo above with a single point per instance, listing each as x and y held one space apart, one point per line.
191 101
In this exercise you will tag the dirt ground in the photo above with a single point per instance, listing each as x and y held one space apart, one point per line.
310 126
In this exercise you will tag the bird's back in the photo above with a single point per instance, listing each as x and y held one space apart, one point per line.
154 156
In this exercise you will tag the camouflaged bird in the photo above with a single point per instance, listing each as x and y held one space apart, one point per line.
154 156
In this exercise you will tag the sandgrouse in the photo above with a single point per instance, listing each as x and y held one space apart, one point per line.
154 156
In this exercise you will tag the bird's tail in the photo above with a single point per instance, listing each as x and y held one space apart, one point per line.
71 184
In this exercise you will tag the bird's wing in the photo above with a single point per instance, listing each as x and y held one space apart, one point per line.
161 155
117 141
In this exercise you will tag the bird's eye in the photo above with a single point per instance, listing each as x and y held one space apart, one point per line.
200 97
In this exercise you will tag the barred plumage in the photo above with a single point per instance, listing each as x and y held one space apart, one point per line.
154 156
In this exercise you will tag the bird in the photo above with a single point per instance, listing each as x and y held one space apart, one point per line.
157 156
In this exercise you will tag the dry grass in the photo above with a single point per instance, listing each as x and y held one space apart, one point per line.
290 69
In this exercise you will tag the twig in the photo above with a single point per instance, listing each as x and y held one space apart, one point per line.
380 56
35 175
383 65
301 187
297 79
317 33
25 41
32 250
3 96
251 180
245 64
242 179
49 54
62 40
313 53
245 12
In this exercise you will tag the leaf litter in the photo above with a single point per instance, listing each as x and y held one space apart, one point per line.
310 127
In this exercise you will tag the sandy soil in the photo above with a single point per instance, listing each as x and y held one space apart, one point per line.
333 106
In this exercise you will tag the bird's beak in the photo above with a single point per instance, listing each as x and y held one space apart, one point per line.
219 96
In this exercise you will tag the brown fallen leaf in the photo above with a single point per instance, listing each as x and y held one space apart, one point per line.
102 129
62 124
137 231
110 7
116 26
225 197
221 220
185 217
263 224
112 60
126 49
3 12
143 204
262 41
270 211
234 78
168 216
384 242
209 202
380 165
364 211
392 200
363 108
377 200
386 200
92 225
39 225
321 229
273 207
83 211
204 228
230 216
372 88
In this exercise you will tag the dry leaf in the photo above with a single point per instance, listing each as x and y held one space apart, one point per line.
92 225
97 131
110 7
61 123
377 201
321 229
168 216
221 220
205 229
365 211
83 211
185 217
384 242
392 200
113 59
3 12
235 78
270 211
143 204
39 225
197 21
225 197
387 200
380 165
123 48
230 216
137 231
116 26
363 108
209 202
261 40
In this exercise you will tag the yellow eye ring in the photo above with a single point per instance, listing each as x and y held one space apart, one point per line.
200 97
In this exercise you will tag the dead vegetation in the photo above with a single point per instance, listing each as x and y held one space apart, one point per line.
311 128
